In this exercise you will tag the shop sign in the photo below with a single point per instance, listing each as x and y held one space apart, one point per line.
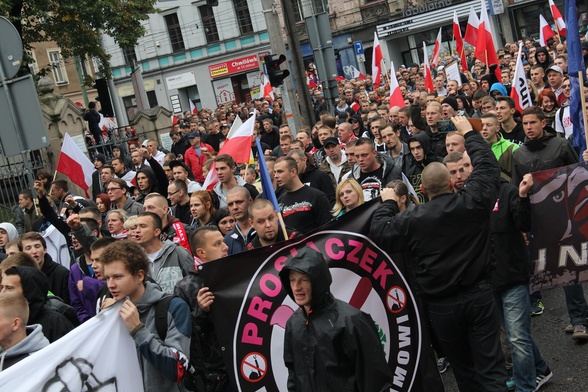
427 7
234 66
179 81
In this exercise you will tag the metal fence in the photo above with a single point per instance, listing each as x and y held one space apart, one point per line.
13 178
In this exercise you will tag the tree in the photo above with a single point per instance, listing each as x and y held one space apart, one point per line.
76 25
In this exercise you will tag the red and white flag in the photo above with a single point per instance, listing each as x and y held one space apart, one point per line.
459 42
193 108
266 89
238 145
357 74
396 98
560 24
174 119
75 164
437 50
520 88
545 31
377 58
428 77
485 51
471 33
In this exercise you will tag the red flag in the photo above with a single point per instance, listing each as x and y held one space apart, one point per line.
396 98
377 58
560 24
545 31
75 164
437 50
520 88
471 33
485 51
357 74
428 77
459 42
267 90
193 108
174 119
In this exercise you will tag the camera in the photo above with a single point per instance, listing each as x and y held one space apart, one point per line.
445 126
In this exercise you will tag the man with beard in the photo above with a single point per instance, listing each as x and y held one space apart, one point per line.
264 220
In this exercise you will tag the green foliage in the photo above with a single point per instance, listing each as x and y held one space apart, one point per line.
76 25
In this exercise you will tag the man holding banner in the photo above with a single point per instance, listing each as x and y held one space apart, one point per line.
451 267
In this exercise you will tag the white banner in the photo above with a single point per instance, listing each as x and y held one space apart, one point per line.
99 355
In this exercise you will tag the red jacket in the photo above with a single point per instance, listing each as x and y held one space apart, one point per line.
195 162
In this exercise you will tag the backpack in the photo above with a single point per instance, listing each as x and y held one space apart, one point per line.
191 381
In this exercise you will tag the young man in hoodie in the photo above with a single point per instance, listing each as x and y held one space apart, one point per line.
17 340
162 361
350 338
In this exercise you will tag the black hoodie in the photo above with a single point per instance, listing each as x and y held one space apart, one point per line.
57 278
35 287
548 60
126 159
323 347
158 181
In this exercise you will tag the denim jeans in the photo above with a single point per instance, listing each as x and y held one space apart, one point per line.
467 326
527 362
576 304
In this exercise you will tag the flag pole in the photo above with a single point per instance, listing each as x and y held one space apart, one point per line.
383 65
281 219
581 80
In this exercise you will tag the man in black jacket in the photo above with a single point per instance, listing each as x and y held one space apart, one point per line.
310 175
330 329
451 266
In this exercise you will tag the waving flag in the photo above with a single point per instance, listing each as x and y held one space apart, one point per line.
576 69
428 77
267 90
75 164
193 108
266 178
485 51
437 50
560 24
459 42
396 98
471 34
545 31
520 88
357 74
377 58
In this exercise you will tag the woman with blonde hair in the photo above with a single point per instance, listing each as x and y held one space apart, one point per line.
202 208
349 195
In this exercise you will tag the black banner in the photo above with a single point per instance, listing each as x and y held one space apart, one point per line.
559 242
251 309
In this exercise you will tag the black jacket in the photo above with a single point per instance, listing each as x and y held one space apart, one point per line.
511 216
57 277
334 347
448 238
317 179
34 286
158 181
545 153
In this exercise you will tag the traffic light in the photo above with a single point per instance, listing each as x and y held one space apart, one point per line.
103 97
275 75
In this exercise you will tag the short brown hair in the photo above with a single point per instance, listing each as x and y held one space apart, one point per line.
226 158
130 254
32 236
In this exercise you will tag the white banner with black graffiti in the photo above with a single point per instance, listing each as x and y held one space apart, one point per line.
99 355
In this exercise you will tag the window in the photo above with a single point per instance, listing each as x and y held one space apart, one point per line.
243 16
33 65
209 24
320 6
175 32
57 67
130 56
297 7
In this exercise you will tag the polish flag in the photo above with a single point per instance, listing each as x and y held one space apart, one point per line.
428 77
545 31
560 24
238 146
437 49
174 119
357 74
396 98
471 33
520 88
75 164
485 51
459 42
266 89
377 58
193 108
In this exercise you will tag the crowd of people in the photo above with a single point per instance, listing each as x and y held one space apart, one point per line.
150 222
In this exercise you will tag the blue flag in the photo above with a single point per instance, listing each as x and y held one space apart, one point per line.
266 180
575 67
